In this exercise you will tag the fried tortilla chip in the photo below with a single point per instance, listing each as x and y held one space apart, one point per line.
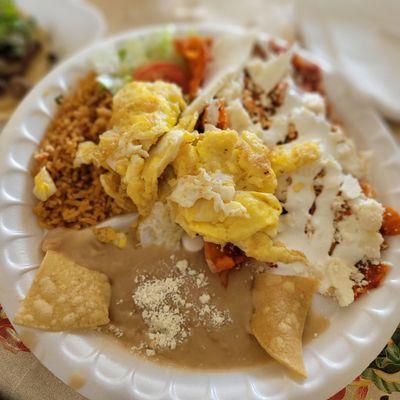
65 295
281 304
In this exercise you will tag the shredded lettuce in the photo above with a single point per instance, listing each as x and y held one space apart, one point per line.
132 54
112 83
161 45
105 61
114 65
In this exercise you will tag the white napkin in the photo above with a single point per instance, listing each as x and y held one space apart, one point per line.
362 39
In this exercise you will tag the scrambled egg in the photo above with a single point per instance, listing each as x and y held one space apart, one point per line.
217 187
115 188
244 157
145 111
285 159
254 212
142 175
44 186
224 191
219 184
140 144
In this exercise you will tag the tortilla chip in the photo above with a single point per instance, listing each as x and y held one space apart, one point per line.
281 304
65 295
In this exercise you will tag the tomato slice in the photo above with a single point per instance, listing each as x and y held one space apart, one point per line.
391 222
167 71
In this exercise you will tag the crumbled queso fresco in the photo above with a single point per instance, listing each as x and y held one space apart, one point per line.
164 304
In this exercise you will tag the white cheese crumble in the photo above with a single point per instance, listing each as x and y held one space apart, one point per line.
166 302
314 102
350 187
268 74
238 117
204 298
339 277
115 330
216 186
165 322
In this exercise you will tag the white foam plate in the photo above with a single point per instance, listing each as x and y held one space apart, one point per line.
355 336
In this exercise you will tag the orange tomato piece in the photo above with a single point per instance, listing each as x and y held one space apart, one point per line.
196 52
222 122
166 71
374 275
391 222
220 258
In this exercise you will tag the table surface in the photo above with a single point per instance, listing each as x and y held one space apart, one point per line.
22 377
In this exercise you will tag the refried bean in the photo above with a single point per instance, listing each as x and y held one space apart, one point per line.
207 346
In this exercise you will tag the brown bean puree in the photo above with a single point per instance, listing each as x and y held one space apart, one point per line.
216 338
